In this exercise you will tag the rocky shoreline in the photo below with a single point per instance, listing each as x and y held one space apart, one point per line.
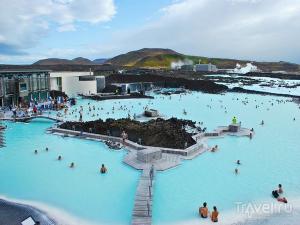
14 213
242 90
206 86
169 133
286 76
111 97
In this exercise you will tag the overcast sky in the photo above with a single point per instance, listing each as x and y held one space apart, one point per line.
265 30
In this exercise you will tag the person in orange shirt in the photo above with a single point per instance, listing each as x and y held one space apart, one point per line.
203 211
214 215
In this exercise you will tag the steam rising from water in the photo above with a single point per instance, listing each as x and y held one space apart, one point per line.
177 65
246 69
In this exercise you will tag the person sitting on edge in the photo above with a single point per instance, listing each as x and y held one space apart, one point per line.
103 169
214 215
203 211
280 190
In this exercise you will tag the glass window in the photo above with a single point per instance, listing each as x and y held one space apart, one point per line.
23 87
42 83
34 82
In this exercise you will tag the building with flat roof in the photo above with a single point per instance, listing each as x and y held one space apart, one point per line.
74 83
205 68
19 87
187 67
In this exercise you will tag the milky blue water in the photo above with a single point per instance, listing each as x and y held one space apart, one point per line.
81 191
271 157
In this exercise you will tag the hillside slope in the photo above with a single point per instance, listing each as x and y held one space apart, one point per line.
162 58
134 57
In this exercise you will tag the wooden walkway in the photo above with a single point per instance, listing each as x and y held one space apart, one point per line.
142 211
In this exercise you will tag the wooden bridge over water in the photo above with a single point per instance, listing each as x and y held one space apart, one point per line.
29 118
142 211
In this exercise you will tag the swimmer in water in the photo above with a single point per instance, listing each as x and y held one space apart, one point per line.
262 122
47 149
280 190
59 158
236 171
215 148
35 151
214 215
284 200
203 211
238 162
103 169
72 165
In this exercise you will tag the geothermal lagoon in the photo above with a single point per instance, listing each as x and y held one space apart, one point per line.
84 196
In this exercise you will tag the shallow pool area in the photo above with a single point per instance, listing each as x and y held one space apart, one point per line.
82 191
270 158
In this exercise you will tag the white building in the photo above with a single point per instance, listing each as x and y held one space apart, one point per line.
205 68
74 83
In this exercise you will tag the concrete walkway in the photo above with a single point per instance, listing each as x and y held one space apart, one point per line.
166 162
142 211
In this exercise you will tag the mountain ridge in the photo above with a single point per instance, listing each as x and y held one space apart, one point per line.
75 61
163 58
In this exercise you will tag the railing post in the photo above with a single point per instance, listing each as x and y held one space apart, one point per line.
148 208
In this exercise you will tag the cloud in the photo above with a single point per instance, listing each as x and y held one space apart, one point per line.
248 29
66 27
267 30
24 22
